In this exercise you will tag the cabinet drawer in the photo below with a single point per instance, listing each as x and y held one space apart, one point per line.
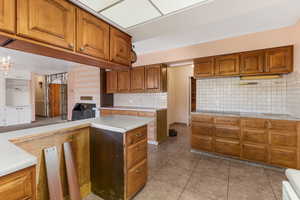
283 125
136 178
106 112
254 123
124 112
284 157
19 185
283 138
227 121
202 118
255 152
202 129
136 135
136 153
228 147
146 114
202 143
255 135
228 132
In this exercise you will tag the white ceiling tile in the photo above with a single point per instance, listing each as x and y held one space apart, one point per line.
98 5
131 12
167 6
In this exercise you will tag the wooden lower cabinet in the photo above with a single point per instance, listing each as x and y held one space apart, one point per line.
274 142
136 178
18 185
202 143
228 147
255 152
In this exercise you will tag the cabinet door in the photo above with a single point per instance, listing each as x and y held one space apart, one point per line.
252 62
153 78
49 21
120 47
123 81
227 65
137 79
280 60
204 67
202 143
12 116
255 152
7 15
111 81
92 35
228 147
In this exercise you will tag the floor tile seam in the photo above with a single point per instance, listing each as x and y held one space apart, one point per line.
270 183
228 179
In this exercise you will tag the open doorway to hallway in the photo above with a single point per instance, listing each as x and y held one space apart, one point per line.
51 98
178 94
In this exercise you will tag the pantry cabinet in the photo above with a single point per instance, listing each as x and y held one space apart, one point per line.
49 21
120 47
111 81
92 35
8 15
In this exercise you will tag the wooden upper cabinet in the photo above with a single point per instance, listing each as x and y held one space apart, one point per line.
111 81
156 78
253 62
279 60
227 65
137 77
204 67
92 35
120 47
8 15
123 81
49 21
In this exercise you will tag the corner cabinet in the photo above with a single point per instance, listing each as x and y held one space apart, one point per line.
156 78
120 47
50 21
8 15
92 35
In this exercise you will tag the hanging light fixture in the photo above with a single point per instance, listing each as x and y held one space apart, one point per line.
5 64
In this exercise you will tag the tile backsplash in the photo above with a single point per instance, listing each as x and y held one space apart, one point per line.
277 96
153 100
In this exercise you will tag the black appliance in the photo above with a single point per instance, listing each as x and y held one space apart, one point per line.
83 111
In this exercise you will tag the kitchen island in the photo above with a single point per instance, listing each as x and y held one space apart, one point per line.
22 166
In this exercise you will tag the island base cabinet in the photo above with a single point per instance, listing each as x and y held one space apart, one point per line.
19 185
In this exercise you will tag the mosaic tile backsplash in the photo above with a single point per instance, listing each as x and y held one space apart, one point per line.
276 96
153 100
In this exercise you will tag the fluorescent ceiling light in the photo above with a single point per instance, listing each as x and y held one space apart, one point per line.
169 6
131 12
99 5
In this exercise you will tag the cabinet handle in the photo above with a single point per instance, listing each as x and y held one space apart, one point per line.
138 135
71 46
81 49
137 171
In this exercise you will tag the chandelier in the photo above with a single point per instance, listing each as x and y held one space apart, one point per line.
5 65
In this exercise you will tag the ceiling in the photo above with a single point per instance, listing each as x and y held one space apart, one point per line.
35 63
187 22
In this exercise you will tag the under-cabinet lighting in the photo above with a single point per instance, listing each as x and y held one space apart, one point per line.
247 78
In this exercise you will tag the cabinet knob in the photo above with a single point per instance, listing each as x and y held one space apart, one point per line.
81 49
71 46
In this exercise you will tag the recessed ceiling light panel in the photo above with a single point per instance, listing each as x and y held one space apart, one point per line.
131 12
169 6
99 5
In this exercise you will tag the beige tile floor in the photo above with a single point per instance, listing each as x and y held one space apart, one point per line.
177 174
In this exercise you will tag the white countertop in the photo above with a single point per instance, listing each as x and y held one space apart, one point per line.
249 115
14 158
142 109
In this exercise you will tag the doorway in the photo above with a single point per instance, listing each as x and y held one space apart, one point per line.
178 94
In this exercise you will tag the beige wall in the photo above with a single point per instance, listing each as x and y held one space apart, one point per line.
267 39
40 104
178 93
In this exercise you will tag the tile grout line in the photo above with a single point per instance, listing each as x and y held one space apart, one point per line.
229 167
269 180
185 186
